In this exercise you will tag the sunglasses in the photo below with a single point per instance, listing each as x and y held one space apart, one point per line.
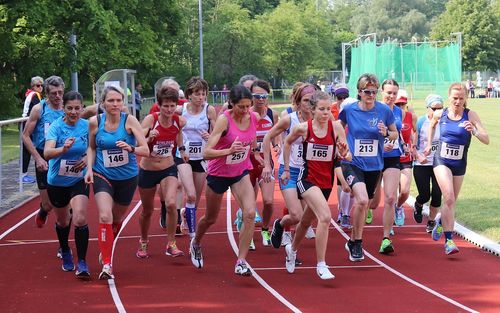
369 91
260 96
434 109
38 85
342 97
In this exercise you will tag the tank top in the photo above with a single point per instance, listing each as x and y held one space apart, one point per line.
163 145
318 157
454 140
296 159
406 132
397 143
234 164
423 125
264 125
191 132
113 162
62 170
47 117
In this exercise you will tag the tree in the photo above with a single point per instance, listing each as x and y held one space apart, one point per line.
478 23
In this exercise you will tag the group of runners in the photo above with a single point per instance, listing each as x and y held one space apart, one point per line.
182 148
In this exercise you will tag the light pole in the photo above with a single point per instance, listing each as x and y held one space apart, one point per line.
200 30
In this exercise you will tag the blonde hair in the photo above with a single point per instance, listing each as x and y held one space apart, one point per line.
460 87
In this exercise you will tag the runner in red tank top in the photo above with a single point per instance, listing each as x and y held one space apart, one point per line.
321 138
163 132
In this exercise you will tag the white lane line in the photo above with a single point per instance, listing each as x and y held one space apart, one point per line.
111 282
259 279
404 277
8 231
314 267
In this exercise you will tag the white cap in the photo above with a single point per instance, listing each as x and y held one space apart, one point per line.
181 93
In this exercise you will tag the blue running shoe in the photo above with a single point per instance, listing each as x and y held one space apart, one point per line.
27 179
82 270
239 219
258 218
437 231
67 261
450 247
400 216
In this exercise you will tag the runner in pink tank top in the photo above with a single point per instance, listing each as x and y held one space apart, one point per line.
228 153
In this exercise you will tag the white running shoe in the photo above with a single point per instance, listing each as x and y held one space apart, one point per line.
241 268
107 272
310 233
291 256
252 245
324 273
196 256
287 238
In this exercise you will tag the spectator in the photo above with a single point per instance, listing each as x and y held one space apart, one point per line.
471 88
138 100
33 96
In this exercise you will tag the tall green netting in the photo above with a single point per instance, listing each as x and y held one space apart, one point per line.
420 68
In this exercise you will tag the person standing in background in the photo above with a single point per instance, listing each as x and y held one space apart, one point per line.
138 100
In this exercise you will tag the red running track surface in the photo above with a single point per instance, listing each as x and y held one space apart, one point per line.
32 280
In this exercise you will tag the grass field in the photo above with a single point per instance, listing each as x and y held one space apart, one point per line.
478 205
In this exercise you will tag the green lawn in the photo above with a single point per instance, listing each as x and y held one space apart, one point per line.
478 205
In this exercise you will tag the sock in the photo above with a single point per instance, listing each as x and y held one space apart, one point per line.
386 238
285 212
163 206
179 220
116 229
448 235
81 241
344 203
62 235
190 213
264 229
105 239
358 240
321 264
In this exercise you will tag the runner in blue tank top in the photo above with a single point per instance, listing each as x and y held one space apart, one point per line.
368 123
41 116
112 167
65 148
457 125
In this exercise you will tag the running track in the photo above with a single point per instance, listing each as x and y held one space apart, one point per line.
417 278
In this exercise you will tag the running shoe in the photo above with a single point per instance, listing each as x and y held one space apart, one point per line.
41 217
196 256
239 219
391 232
163 217
173 251
355 250
369 216
67 261
142 252
291 257
430 226
437 231
450 247
277 234
184 225
346 222
241 268
386 246
258 218
266 238
82 270
339 218
417 212
287 238
107 272
27 179
59 253
324 273
252 245
400 216
310 233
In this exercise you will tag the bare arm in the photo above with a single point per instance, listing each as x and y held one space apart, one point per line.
135 128
28 131
436 116
89 176
478 129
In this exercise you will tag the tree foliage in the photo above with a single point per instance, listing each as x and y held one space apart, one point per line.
478 22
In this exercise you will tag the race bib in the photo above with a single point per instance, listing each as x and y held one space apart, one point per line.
366 147
238 157
395 143
296 153
452 151
434 146
195 150
67 168
162 151
317 152
46 128
259 145
115 157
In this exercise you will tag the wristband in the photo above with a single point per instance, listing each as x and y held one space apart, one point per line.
182 148
132 149
285 170
275 145
474 131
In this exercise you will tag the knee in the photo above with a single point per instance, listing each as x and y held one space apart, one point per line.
449 202
249 215
296 217
363 203
191 198
325 217
268 203
390 200
79 220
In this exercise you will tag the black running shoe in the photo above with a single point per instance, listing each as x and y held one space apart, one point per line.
417 212
163 217
430 226
277 234
355 250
